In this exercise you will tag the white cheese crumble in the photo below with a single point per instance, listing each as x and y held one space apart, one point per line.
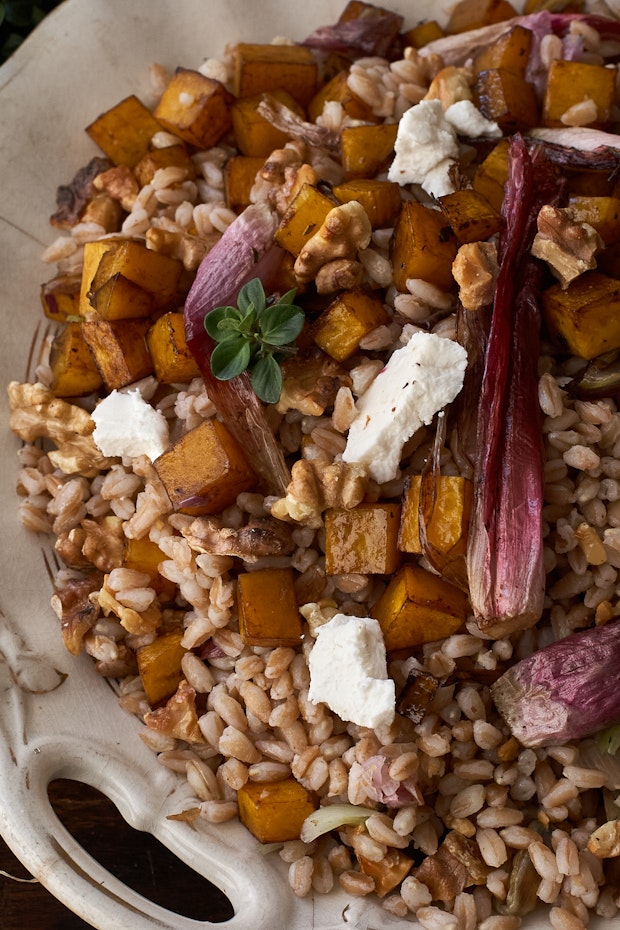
417 382
469 121
126 426
348 671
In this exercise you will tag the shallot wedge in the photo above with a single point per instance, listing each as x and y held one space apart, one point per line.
565 691
505 551
245 251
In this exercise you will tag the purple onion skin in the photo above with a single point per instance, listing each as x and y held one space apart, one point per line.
565 691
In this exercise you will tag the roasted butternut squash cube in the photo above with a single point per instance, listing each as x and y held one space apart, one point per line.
449 524
603 213
388 872
119 349
337 89
508 99
204 470
171 156
303 218
172 360
363 540
380 199
74 372
423 247
472 14
143 555
156 273
509 52
239 177
492 173
60 297
585 317
350 317
120 299
159 665
572 82
268 612
93 253
125 131
366 150
275 812
470 215
423 33
419 607
262 68
195 108
256 136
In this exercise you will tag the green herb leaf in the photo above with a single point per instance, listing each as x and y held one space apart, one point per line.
267 379
218 322
230 357
281 324
252 294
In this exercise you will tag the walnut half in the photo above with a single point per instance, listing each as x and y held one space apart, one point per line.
568 247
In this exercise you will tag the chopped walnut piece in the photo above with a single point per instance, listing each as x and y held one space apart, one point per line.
261 536
188 249
343 274
568 247
178 718
103 210
135 623
310 383
475 271
76 611
315 487
93 542
345 230
443 874
450 85
72 198
119 183
284 173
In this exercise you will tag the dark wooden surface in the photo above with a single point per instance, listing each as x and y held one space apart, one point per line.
137 859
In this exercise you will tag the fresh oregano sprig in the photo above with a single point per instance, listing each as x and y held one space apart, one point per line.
256 336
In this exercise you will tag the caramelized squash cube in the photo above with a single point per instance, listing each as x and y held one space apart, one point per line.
171 156
303 218
423 33
239 177
125 131
473 14
470 215
508 99
366 150
337 89
380 199
363 540
256 136
204 470
158 274
74 372
449 524
419 607
143 555
120 299
388 872
603 213
159 665
119 349
491 175
60 297
93 253
195 108
570 83
263 68
275 812
585 317
268 612
350 317
423 247
509 52
172 360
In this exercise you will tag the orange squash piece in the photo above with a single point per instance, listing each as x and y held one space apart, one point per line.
303 218
472 14
119 349
195 108
275 812
470 215
172 360
256 136
239 177
380 199
507 98
510 52
363 540
60 297
338 90
449 524
570 83
366 150
159 665
423 247
585 317
268 613
74 372
350 317
124 132
491 175
260 68
388 872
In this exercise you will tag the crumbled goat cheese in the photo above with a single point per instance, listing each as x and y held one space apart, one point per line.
418 380
424 140
348 671
469 121
126 426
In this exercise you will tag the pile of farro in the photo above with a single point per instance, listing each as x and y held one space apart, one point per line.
492 828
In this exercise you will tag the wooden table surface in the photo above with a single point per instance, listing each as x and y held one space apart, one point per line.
135 858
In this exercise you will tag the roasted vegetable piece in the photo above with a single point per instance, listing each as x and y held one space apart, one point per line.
195 108
121 299
172 156
172 360
585 316
362 540
508 99
239 176
256 136
143 555
423 247
387 872
274 812
380 199
449 524
159 665
603 213
124 132
268 613
510 52
416 695
419 607
350 317
60 297
569 84
93 253
304 217
492 174
338 90
260 68
565 691
156 273
470 215
472 14
74 372
423 33
367 149
119 349
204 470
